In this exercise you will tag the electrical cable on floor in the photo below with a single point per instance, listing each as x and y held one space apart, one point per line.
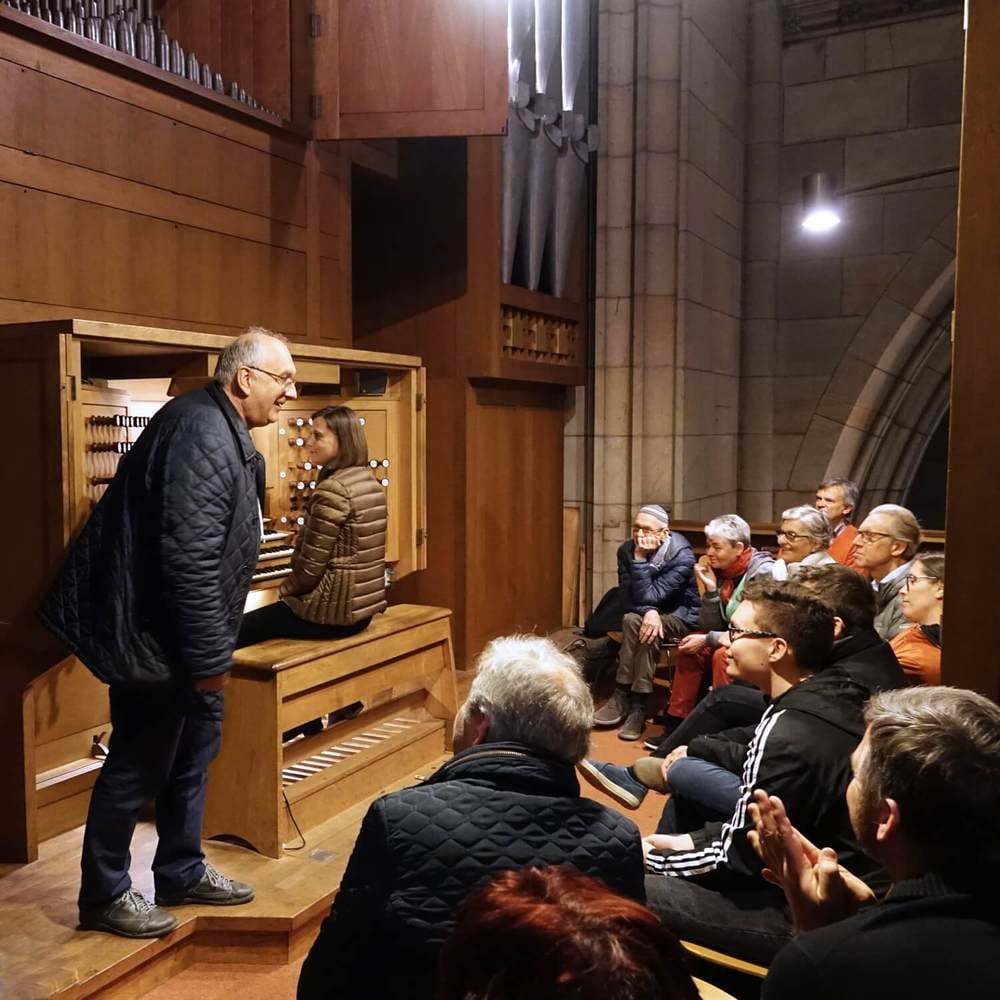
298 830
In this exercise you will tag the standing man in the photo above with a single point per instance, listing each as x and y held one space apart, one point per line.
884 548
150 598
838 499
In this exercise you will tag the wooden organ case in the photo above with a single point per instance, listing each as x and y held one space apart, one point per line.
83 392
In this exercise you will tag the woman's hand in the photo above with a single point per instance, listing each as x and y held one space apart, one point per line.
705 575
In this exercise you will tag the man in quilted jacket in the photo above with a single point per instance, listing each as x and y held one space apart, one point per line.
150 599
508 799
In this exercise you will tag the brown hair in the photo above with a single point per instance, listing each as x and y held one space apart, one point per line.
792 611
352 444
845 590
551 933
933 561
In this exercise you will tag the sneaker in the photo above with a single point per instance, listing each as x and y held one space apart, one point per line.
130 915
635 721
614 779
669 723
214 889
614 710
648 772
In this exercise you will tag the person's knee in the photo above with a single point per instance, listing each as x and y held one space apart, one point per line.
631 623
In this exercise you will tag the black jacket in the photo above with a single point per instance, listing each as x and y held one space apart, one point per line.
925 939
421 850
152 590
801 752
665 583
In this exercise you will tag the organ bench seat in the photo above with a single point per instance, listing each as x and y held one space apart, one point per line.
401 669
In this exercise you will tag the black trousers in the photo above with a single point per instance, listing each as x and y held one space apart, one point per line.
736 704
278 621
163 739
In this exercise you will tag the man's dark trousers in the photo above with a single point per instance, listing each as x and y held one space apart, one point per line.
163 739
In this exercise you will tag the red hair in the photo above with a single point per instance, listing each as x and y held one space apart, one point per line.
542 933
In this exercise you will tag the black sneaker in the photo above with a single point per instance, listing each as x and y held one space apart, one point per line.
214 889
130 915
669 723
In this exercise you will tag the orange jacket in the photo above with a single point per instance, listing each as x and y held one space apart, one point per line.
918 656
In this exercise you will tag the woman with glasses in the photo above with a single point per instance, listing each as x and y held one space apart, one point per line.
803 539
337 582
918 648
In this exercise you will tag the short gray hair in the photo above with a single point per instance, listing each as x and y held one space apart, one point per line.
848 487
936 752
245 351
907 526
816 522
731 527
533 693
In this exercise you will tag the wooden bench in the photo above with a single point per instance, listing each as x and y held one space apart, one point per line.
401 668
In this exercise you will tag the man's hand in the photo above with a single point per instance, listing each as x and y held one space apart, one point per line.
668 762
818 889
651 628
666 842
705 575
645 545
692 643
214 683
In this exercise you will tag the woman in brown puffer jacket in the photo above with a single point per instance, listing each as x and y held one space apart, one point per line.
338 570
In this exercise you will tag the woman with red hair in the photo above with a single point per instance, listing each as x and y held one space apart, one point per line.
544 933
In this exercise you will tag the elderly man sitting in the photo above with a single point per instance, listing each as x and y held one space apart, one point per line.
508 799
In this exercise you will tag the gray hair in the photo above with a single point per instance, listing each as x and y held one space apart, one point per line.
533 693
907 526
731 527
245 351
816 522
848 487
936 752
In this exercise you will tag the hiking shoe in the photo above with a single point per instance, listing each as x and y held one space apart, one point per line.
214 889
614 779
648 771
614 710
635 721
130 915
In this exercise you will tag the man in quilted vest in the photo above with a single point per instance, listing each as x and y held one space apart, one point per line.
508 799
150 599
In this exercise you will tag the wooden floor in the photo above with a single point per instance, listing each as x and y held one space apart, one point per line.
42 955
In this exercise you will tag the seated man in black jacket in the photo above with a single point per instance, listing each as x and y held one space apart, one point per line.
705 883
925 802
659 598
508 799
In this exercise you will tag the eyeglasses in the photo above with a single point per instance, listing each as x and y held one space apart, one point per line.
288 383
746 633
909 580
870 536
791 536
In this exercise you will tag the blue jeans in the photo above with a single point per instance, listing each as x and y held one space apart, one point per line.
163 739
708 787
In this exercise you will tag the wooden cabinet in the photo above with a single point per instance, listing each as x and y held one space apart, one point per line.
82 392
395 68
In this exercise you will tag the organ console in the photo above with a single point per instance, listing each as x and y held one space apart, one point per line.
84 392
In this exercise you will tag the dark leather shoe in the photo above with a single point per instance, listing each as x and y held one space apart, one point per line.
214 889
130 915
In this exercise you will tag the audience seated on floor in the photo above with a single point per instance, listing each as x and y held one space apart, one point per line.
924 801
804 536
885 544
656 584
731 712
704 880
919 646
838 499
656 597
729 563
546 933
508 799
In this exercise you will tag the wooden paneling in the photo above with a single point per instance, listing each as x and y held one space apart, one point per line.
968 658
120 202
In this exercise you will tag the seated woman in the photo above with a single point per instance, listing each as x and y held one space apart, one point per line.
918 648
803 539
337 582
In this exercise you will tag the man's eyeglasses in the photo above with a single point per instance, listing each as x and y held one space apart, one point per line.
791 536
870 536
909 580
285 380
747 633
